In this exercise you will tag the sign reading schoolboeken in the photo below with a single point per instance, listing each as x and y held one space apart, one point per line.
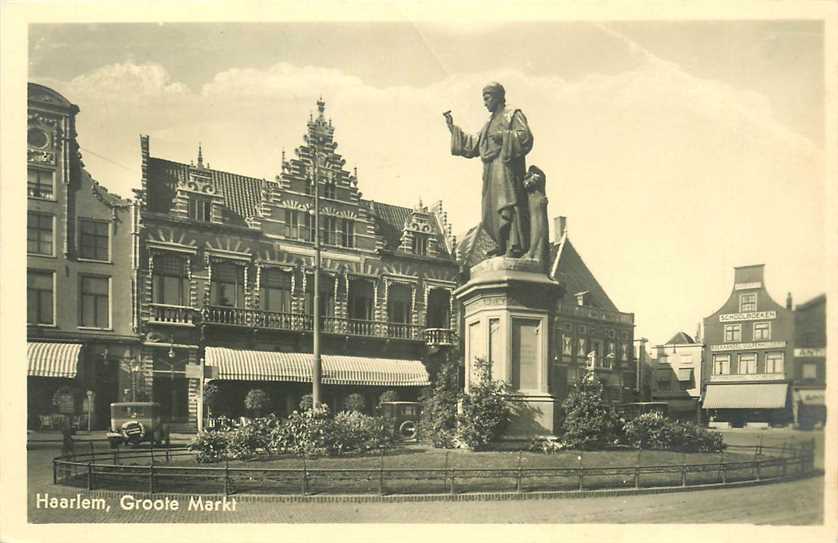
752 316
747 346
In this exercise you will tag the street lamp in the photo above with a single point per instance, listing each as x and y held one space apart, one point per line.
638 379
318 160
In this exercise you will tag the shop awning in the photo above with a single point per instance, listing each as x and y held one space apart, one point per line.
53 359
685 374
756 396
240 365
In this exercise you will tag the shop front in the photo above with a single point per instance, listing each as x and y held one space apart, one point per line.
810 408
55 393
739 404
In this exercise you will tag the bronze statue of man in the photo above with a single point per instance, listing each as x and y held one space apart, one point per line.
502 146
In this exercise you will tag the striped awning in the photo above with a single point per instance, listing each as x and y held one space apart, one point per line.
239 365
756 396
53 359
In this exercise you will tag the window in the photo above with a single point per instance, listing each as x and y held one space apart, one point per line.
329 191
762 331
747 302
39 297
327 295
275 291
200 209
328 230
40 183
169 284
361 299
721 364
95 306
39 234
624 354
308 226
347 233
292 221
93 239
774 362
747 363
420 244
810 371
398 303
227 287
582 350
567 345
733 332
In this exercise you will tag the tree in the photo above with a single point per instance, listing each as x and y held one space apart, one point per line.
590 422
439 413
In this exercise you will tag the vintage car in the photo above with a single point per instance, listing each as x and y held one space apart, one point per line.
136 422
403 419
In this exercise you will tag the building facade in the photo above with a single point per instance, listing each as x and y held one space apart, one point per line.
225 283
80 250
589 332
677 376
747 355
810 363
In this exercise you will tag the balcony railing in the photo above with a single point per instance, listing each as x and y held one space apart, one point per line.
171 314
438 337
299 322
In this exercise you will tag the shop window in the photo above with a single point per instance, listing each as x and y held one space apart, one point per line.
275 291
94 239
762 331
747 303
774 362
733 333
169 284
227 287
95 302
41 183
747 363
809 371
721 364
40 307
39 234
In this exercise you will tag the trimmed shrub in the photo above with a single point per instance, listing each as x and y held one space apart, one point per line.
590 422
306 402
355 402
354 431
257 401
485 411
304 432
654 431
210 446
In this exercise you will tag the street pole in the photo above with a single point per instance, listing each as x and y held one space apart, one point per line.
316 369
638 363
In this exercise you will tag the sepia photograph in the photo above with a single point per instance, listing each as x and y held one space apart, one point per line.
265 285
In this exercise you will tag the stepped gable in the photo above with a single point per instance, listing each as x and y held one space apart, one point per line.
574 275
242 194
680 338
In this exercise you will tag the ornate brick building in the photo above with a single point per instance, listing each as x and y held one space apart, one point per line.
224 282
810 362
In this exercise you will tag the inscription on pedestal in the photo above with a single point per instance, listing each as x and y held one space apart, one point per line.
525 349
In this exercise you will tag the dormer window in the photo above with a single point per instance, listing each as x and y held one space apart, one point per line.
420 244
200 209
583 298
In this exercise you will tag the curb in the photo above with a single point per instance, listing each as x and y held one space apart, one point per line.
465 497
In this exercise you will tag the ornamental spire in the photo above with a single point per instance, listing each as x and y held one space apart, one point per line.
200 156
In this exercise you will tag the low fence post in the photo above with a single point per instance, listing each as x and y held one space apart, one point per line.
381 474
226 477
683 475
723 468
636 476
168 460
152 452
92 450
54 472
90 476
518 477
304 482
758 464
580 472
151 478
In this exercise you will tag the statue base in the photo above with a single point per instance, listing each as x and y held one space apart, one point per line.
507 304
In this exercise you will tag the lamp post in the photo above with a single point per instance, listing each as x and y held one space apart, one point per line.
317 161
639 377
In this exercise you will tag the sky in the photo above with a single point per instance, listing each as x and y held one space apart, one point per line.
677 150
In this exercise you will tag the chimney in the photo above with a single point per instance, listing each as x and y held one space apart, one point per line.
788 301
560 227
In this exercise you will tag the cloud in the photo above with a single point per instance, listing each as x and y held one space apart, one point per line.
649 161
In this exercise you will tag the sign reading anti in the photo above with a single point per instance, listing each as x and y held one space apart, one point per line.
752 316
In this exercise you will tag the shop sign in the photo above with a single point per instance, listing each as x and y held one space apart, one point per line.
804 352
751 316
747 286
748 346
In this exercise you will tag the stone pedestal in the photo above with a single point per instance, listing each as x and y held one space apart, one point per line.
507 322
